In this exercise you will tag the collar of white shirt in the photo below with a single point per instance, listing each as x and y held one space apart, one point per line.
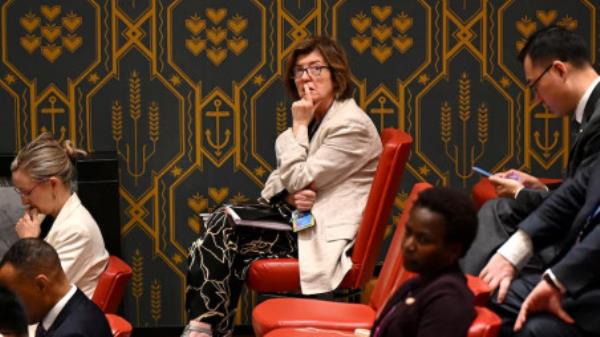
583 101
57 308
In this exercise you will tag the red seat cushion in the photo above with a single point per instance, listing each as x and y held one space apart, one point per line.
302 312
274 275
306 332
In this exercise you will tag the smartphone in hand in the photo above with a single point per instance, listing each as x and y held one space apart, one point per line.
482 171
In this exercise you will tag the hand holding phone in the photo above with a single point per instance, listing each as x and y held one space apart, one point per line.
512 175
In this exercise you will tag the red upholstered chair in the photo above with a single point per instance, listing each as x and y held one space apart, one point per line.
111 285
302 312
483 190
486 324
119 326
283 274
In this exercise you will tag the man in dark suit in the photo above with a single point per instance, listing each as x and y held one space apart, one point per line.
564 300
31 268
560 75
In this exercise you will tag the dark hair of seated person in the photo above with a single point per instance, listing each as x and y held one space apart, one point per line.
458 211
441 228
13 320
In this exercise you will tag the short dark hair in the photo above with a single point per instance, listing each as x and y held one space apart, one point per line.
458 211
335 57
32 256
12 314
556 43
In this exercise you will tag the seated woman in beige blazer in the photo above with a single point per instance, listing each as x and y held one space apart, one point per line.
326 162
43 174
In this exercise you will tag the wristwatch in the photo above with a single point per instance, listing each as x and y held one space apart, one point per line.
546 277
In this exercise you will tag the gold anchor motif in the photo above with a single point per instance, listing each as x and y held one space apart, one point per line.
53 111
218 145
546 147
381 111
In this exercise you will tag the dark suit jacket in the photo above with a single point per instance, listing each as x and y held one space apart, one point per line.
442 307
568 217
79 318
583 151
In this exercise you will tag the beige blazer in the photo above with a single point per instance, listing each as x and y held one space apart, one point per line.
77 239
341 160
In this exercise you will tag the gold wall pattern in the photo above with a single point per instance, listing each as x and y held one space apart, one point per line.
188 94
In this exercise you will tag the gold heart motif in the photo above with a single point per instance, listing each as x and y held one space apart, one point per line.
218 195
197 203
71 22
51 52
526 27
546 17
72 42
195 45
381 52
30 22
361 43
237 45
237 25
403 43
194 224
30 43
216 55
381 32
195 25
216 35
360 23
50 13
520 44
568 23
381 13
51 32
402 22
216 15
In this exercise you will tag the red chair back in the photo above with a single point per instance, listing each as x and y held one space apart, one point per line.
281 275
396 149
392 273
485 324
111 285
119 326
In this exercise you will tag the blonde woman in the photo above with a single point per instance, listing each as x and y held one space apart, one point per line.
43 174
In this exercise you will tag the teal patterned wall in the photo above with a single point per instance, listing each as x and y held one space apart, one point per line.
189 95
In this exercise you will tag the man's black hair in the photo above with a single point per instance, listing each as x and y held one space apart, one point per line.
32 256
458 211
556 43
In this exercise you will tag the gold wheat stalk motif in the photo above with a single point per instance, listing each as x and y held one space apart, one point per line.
281 113
464 98
482 123
153 121
446 121
135 96
137 280
155 300
117 121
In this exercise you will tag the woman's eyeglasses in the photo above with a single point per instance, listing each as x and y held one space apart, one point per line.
312 71
27 193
